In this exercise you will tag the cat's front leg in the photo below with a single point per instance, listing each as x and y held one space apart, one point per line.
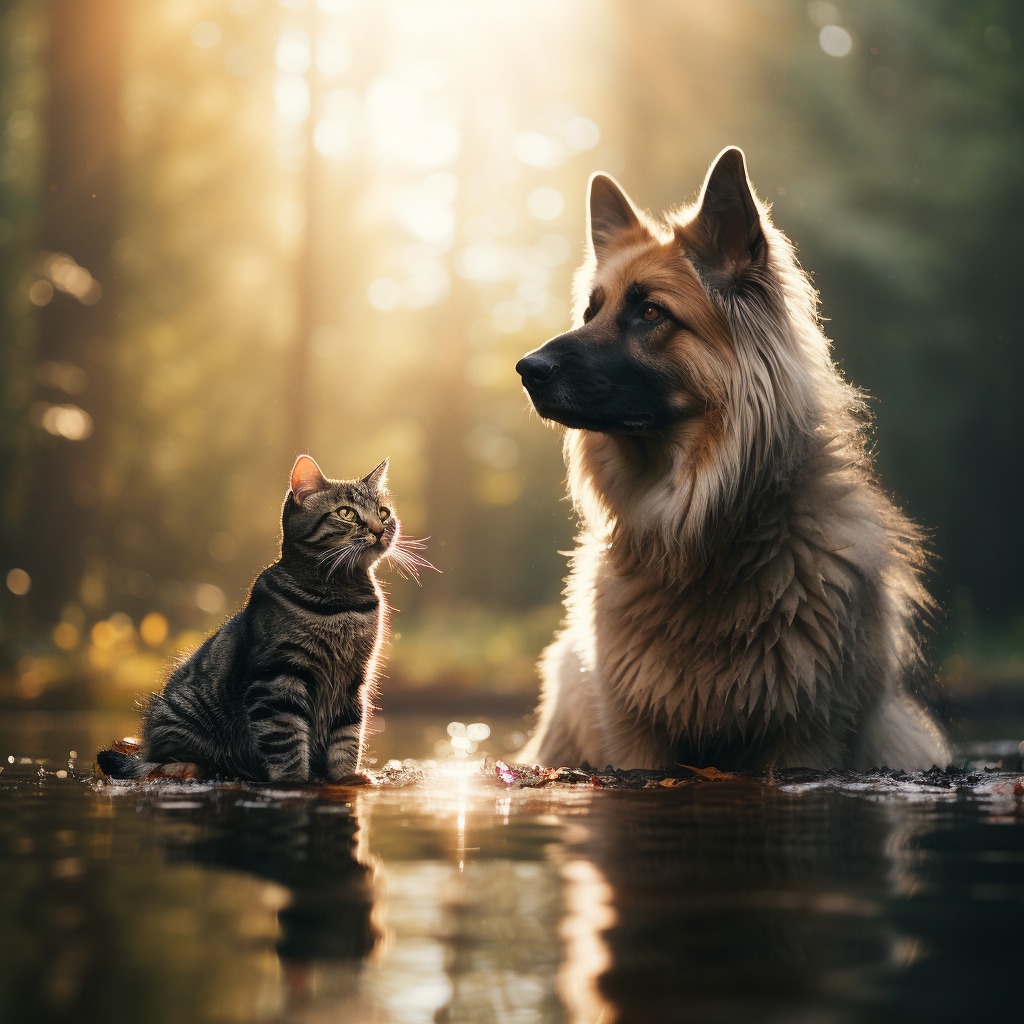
345 746
279 722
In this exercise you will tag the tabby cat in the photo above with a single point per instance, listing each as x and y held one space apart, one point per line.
281 692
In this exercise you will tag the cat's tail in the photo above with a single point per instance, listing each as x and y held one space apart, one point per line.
129 764
117 764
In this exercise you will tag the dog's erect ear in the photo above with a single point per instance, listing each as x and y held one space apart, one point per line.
379 477
609 213
306 479
730 218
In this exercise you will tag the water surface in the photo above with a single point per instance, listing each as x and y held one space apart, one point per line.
460 899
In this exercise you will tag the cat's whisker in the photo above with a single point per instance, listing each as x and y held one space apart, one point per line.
341 556
408 558
412 542
326 556
402 557
397 567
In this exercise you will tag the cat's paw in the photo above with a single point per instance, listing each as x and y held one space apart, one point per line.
352 779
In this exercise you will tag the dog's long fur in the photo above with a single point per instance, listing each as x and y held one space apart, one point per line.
743 593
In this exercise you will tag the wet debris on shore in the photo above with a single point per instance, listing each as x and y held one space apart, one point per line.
990 767
527 776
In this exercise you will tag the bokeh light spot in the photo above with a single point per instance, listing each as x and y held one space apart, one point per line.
293 53
30 684
998 39
206 34
102 635
545 203
334 139
485 263
332 53
582 133
19 582
153 629
835 40
822 13
538 150
209 598
40 293
495 450
291 98
65 636
122 626
67 421
60 374
384 294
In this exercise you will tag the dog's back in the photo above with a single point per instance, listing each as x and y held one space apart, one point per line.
744 593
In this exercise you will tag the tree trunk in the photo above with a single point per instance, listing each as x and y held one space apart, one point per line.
79 218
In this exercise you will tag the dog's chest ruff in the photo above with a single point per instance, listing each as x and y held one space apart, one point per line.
756 651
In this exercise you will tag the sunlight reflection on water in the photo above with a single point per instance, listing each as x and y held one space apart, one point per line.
458 898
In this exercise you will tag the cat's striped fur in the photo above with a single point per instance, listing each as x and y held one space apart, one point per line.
281 691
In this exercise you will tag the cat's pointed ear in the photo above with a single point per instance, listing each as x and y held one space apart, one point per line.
379 477
306 479
731 219
610 214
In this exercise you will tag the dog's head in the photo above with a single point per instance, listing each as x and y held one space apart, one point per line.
652 346
695 375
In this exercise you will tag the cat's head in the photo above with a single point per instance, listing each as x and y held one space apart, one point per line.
343 524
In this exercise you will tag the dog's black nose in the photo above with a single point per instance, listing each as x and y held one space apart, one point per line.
536 368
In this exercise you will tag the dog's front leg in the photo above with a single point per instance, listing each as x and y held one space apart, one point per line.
567 733
632 742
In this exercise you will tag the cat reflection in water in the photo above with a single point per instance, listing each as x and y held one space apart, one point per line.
282 691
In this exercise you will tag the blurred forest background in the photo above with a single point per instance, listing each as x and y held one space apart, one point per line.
233 230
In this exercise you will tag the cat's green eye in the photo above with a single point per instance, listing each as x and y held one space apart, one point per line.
383 513
347 514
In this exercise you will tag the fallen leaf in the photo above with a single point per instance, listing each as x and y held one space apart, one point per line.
710 774
506 772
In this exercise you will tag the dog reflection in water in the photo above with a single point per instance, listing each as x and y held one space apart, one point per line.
729 901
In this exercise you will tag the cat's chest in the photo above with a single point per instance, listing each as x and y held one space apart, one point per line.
345 643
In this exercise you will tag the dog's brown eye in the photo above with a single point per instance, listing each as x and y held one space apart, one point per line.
383 513
651 312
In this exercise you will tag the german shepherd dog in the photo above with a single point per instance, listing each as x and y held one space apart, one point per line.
743 592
